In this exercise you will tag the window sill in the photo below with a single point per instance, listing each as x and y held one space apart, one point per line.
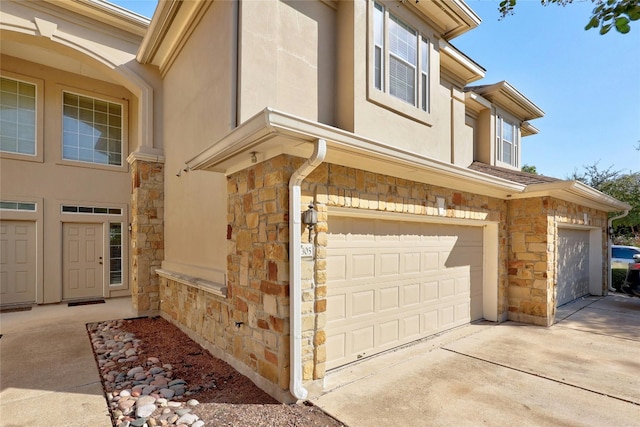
194 282
24 157
398 106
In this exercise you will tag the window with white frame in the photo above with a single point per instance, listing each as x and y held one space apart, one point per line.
17 116
400 59
507 142
92 130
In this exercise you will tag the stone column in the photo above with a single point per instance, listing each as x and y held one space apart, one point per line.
147 232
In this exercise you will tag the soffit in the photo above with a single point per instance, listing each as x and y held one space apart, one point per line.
107 13
459 64
508 98
454 17
171 25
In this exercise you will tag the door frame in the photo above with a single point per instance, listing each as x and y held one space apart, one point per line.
100 243
108 290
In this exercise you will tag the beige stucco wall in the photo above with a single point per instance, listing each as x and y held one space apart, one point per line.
358 113
55 181
286 59
199 101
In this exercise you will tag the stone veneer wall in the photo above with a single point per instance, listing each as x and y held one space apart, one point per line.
533 252
250 327
147 233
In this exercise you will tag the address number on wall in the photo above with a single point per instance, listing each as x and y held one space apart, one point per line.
306 250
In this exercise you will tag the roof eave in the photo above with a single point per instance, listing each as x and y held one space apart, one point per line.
527 129
577 192
454 17
509 98
108 13
459 64
171 25
271 133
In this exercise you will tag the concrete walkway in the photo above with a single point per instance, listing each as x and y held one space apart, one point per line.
583 371
48 375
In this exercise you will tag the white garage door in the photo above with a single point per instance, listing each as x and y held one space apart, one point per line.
573 264
391 282
17 262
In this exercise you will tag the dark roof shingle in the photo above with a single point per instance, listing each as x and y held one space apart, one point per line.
511 175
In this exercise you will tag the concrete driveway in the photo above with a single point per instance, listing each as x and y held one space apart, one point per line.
583 371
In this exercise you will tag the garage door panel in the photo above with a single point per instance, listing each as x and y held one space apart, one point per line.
389 298
389 264
336 267
362 303
387 290
362 339
362 265
389 332
411 325
411 262
410 294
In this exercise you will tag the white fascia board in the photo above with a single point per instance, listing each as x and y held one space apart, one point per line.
171 25
458 63
475 102
527 129
509 98
108 13
271 132
576 192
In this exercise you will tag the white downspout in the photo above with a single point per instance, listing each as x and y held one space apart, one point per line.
295 260
610 243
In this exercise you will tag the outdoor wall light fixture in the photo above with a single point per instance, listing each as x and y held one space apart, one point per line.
179 174
310 218
254 158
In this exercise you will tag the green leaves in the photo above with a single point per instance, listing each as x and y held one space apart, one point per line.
606 15
622 25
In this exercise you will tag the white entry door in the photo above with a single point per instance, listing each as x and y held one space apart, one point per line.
82 261
17 262
393 282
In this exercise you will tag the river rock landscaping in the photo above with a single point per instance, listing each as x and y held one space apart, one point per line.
155 375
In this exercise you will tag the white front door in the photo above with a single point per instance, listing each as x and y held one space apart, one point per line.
17 262
82 261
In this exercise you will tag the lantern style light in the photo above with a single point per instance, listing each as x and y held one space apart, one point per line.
310 218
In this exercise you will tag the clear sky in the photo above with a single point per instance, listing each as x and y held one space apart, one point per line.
588 85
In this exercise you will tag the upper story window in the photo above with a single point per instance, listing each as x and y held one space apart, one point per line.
400 62
92 130
507 142
17 116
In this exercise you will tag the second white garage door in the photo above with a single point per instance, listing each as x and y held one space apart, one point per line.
573 264
392 282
